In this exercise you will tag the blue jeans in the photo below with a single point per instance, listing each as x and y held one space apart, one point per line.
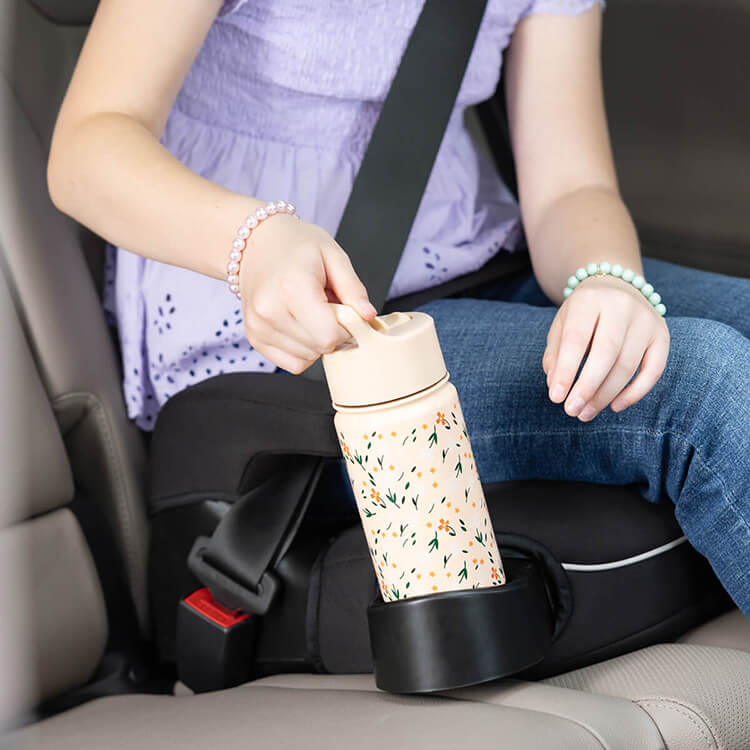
687 441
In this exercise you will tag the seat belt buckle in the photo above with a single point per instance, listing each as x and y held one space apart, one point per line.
215 644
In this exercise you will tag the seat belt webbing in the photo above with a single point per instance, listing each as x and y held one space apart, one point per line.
395 169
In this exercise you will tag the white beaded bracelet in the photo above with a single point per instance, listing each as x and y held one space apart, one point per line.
616 270
240 240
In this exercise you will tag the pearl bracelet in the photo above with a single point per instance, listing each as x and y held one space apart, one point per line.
626 274
240 239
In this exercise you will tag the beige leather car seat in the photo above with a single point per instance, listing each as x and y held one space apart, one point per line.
52 287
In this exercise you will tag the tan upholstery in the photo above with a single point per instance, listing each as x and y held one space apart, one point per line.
59 611
53 625
270 718
41 255
616 723
699 696
34 472
730 630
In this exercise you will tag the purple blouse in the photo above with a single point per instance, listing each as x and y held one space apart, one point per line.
280 103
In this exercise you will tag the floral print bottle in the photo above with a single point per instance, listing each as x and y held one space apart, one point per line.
409 459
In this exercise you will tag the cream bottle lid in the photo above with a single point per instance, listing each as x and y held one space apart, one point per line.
387 358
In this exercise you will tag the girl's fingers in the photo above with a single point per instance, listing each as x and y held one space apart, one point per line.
291 345
283 359
310 308
281 331
654 361
605 349
344 281
269 320
619 376
577 330
549 358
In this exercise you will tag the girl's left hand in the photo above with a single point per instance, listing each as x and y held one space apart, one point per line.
621 331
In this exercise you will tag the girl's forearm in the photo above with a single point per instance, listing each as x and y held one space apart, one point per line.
587 225
111 174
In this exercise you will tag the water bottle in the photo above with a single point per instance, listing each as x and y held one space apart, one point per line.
409 458
423 511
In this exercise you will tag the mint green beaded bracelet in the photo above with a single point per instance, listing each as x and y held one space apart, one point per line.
616 270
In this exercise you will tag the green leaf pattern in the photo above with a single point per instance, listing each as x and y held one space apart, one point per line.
421 504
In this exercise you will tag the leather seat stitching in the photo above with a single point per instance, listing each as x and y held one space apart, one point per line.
557 714
688 712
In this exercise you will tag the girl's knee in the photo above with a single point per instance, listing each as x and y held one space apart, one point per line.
708 346
708 360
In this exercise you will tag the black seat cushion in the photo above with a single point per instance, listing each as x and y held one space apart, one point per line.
630 575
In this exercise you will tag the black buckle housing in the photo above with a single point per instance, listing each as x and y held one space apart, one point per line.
216 625
215 645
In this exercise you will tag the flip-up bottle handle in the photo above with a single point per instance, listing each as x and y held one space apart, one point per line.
386 358
362 330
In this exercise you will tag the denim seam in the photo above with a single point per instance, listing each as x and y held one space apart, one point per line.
656 433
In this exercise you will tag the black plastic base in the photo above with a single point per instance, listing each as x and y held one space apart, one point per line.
460 638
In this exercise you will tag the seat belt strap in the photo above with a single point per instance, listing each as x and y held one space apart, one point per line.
395 169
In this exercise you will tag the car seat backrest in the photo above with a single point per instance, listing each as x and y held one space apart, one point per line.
55 298
53 627
675 80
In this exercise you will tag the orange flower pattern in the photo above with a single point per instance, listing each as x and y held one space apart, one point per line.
414 524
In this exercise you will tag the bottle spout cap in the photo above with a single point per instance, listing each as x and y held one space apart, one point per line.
387 358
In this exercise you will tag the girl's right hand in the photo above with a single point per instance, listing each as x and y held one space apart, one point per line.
289 272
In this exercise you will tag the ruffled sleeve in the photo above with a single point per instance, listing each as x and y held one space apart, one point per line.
560 7
229 6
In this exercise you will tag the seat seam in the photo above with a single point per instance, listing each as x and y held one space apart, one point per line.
640 707
695 718
22 109
95 407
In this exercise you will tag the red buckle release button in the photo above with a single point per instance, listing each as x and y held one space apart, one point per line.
202 601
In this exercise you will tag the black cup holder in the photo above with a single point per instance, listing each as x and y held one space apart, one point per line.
460 638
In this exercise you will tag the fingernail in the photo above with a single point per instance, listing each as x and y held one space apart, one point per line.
617 406
557 392
587 413
575 405
366 307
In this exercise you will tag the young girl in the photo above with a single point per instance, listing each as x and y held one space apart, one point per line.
184 117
